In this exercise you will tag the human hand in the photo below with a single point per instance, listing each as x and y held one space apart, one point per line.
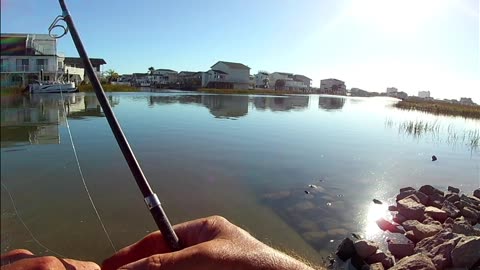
25 260
209 243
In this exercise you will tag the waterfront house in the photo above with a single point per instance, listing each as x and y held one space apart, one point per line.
141 79
424 94
289 81
262 79
76 69
25 56
391 91
228 75
333 87
163 77
189 79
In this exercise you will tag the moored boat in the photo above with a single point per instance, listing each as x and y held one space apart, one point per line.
52 87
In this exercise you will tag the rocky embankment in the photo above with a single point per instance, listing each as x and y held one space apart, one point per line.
438 228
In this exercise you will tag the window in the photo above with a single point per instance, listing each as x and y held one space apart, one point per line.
42 64
22 65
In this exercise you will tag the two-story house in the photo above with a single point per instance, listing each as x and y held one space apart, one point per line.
289 81
163 77
227 75
25 56
74 67
333 87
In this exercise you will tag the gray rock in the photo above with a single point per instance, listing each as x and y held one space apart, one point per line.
377 266
425 230
467 252
346 249
409 224
436 214
398 218
462 226
476 193
471 213
392 208
419 196
450 209
380 257
406 189
430 190
453 189
365 248
435 200
452 197
400 250
410 208
459 205
438 248
415 262
470 201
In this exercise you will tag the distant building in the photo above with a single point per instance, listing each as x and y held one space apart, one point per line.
189 79
357 92
289 81
467 101
76 69
163 77
333 87
424 94
262 79
227 75
391 90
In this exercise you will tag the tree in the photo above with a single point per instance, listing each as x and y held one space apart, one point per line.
280 84
111 75
151 70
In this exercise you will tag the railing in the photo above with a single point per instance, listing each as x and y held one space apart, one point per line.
29 68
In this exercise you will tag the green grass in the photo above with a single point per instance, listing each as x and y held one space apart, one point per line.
246 91
10 91
441 108
109 88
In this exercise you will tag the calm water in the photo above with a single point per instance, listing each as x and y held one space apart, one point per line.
248 158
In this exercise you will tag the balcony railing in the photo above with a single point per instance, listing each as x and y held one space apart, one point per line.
28 68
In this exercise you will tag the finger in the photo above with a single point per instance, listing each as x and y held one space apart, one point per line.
190 233
15 255
185 259
51 263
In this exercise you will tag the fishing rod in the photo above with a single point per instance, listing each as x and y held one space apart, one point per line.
150 198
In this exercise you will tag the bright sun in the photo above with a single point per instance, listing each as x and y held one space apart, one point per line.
396 16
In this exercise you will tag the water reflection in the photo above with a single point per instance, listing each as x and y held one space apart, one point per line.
231 106
331 103
35 119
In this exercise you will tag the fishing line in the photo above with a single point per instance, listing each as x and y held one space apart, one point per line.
25 225
81 175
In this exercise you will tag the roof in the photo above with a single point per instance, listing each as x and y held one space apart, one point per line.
162 69
219 71
186 73
331 79
301 77
232 65
78 61
284 73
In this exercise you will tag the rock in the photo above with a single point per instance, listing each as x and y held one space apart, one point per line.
467 252
425 230
392 208
400 250
419 196
386 225
307 192
406 189
438 248
365 248
410 208
453 189
377 266
408 225
312 186
411 236
452 197
398 218
380 257
434 158
450 209
462 226
436 200
430 190
471 213
345 250
436 214
375 201
459 205
357 236
414 262
476 193
359 263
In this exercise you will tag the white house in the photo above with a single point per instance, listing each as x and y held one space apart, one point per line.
227 75
391 90
74 67
163 77
423 94
289 81
262 79
333 86
24 56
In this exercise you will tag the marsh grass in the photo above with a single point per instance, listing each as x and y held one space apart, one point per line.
440 108
109 88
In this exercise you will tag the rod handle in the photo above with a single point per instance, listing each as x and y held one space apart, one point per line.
165 228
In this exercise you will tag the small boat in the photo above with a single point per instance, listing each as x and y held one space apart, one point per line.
52 87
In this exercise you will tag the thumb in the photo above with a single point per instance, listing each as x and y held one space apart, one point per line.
183 259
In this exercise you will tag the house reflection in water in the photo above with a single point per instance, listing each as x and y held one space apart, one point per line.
281 103
226 106
331 103
35 119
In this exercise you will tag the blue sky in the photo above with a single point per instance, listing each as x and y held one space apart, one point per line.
371 44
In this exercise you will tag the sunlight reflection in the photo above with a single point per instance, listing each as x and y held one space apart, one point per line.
375 212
